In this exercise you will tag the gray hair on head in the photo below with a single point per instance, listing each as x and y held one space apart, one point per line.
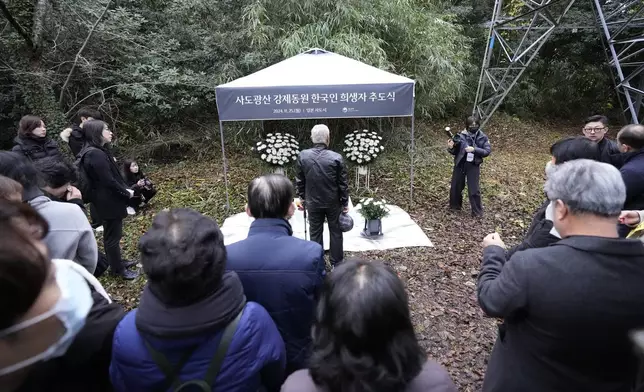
587 186
320 134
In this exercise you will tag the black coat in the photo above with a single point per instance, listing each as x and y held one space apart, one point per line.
76 139
36 149
609 152
538 234
633 176
567 312
85 366
478 140
322 178
110 195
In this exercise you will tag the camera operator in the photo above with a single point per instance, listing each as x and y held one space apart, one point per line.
469 148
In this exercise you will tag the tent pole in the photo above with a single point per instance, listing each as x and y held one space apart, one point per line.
223 157
411 171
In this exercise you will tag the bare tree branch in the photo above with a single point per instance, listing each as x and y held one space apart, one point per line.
102 91
80 51
15 24
40 12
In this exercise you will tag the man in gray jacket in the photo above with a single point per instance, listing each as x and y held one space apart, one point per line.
567 308
323 187
70 235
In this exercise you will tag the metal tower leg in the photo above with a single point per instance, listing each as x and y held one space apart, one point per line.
622 23
519 40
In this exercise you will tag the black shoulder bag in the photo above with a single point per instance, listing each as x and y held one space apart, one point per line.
172 372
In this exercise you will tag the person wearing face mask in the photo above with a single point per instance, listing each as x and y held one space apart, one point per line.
110 194
32 140
469 148
567 308
56 320
541 232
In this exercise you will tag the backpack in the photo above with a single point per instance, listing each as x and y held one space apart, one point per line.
84 184
172 372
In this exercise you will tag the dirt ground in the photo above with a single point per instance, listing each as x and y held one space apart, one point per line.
441 281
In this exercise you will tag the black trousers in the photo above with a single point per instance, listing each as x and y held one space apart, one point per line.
113 231
316 225
472 174
141 195
96 219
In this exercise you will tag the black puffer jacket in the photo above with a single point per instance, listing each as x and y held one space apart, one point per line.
76 139
478 140
36 149
322 178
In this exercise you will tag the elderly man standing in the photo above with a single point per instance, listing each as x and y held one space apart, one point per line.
277 270
568 308
323 187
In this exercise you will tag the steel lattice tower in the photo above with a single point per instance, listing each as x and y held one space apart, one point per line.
514 41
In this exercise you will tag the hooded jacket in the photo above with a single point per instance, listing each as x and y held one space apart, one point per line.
254 361
70 234
37 148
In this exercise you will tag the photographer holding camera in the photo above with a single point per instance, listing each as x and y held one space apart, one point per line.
469 148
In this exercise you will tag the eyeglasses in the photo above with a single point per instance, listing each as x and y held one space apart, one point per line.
594 130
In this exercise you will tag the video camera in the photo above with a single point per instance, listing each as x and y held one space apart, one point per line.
455 137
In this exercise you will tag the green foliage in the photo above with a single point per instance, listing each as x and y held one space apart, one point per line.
151 66
418 41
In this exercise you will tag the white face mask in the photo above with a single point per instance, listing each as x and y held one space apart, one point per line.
549 167
72 309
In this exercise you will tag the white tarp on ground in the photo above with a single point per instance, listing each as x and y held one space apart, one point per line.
399 231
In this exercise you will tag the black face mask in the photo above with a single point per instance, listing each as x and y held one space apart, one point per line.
473 130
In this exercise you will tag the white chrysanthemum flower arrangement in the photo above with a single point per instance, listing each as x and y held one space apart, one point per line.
362 146
373 208
278 149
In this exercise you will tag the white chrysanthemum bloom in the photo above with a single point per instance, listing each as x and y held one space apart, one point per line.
382 148
263 156
367 159
359 160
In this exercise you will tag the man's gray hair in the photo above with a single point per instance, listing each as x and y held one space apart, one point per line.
587 186
320 134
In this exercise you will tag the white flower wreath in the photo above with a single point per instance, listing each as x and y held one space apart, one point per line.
362 146
278 149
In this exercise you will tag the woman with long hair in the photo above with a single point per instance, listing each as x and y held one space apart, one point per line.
32 140
143 188
363 337
109 193
56 320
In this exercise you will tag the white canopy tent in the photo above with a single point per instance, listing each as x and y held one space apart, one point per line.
316 84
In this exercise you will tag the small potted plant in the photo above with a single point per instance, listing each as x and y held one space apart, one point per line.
373 210
278 150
